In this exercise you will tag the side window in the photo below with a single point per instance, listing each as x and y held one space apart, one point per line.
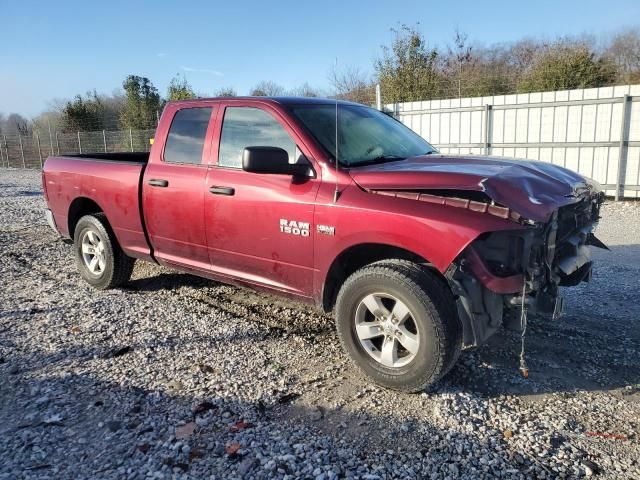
186 135
251 127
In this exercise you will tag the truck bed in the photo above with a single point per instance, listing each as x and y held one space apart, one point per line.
107 182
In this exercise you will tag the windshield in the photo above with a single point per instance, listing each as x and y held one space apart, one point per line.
365 135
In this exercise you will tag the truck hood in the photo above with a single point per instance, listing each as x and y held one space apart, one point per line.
531 188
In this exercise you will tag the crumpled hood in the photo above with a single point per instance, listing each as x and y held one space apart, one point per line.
534 189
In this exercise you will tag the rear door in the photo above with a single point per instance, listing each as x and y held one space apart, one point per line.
260 226
174 187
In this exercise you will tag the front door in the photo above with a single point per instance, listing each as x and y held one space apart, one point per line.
174 190
260 226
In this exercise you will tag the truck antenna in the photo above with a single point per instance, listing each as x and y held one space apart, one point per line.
336 193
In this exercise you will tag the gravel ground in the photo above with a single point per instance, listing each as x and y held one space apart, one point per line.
179 377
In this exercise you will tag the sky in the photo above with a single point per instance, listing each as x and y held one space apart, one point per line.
57 49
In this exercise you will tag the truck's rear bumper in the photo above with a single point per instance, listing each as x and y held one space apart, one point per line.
50 220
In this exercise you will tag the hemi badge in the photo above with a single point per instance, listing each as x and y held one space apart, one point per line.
326 229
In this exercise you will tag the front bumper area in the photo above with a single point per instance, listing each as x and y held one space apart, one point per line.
502 271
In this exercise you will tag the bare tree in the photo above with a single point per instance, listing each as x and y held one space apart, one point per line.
267 88
17 124
351 83
458 58
624 51
523 53
305 90
225 92
47 120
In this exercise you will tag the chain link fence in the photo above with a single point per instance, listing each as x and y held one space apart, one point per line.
30 151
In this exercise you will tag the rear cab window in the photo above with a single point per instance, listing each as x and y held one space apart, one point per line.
186 138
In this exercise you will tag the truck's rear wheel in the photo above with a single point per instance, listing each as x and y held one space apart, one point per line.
398 322
100 260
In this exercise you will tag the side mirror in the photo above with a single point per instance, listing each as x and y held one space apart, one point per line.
273 160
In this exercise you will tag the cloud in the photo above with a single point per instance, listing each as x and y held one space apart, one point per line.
161 55
217 73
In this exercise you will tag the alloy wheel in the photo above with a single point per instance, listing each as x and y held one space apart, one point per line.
93 253
386 330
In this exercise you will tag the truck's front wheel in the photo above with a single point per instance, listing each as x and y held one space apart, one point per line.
398 322
100 260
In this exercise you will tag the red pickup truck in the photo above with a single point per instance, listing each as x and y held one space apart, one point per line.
337 204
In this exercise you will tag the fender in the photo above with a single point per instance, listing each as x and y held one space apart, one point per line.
437 233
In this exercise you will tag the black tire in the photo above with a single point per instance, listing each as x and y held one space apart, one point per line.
433 311
117 266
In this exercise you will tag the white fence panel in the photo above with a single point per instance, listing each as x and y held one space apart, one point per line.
594 131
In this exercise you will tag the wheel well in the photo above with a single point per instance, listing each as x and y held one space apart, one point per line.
80 207
356 257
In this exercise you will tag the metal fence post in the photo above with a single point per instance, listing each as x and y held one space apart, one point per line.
6 148
79 143
50 137
378 97
104 139
131 139
1 155
22 151
624 144
57 144
488 128
39 151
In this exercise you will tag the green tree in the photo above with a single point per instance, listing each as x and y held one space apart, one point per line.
567 65
83 114
142 103
179 89
408 69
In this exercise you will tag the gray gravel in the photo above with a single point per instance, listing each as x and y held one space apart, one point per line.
179 377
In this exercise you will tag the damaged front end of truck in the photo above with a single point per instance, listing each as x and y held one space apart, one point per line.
502 273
